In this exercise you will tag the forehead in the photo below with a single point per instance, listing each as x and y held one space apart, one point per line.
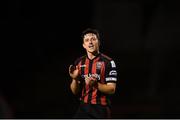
89 35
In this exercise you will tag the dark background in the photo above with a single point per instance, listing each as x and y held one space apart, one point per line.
40 39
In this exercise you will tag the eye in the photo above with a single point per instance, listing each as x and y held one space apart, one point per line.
86 40
93 39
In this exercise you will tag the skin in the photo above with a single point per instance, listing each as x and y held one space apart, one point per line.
91 45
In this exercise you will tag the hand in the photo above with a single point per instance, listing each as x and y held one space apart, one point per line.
73 71
91 81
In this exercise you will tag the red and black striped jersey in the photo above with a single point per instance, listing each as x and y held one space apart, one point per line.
103 68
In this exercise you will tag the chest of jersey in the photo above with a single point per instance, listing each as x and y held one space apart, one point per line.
95 69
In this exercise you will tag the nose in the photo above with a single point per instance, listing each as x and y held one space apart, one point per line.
90 41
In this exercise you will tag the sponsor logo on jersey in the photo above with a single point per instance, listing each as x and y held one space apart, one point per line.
111 79
97 76
113 72
113 65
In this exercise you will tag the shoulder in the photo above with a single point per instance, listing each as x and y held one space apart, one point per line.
109 61
79 59
106 58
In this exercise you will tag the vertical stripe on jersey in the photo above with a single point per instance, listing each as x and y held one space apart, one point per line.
94 71
82 82
106 73
103 97
90 89
86 90
98 71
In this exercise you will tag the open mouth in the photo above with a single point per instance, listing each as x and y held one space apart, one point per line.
91 46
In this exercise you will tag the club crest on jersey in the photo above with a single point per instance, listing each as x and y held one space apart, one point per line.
98 65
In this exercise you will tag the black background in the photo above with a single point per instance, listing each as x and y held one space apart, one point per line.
40 39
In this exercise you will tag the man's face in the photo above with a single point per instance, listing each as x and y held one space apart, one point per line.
91 43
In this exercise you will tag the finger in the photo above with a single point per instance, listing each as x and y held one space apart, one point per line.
86 78
93 78
77 68
70 68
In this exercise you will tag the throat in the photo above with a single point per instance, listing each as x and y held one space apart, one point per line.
92 55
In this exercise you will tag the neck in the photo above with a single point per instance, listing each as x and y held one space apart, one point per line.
92 55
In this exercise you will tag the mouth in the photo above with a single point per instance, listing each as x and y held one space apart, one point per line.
91 46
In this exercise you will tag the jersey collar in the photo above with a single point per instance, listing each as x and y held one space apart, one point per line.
94 57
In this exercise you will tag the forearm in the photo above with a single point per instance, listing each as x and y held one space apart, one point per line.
74 86
105 88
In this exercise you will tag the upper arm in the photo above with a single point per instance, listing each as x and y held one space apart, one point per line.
111 73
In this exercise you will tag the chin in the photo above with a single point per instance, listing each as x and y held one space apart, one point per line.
91 51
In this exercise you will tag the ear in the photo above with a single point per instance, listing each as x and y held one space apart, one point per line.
99 43
84 46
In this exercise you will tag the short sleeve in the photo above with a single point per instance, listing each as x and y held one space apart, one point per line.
76 62
111 72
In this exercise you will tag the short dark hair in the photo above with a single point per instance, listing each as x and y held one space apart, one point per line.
91 30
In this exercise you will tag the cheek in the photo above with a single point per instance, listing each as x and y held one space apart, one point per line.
97 44
85 45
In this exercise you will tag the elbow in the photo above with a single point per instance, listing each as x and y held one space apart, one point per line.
75 93
112 91
73 90
71 87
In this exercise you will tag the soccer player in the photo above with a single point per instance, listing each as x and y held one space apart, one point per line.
94 78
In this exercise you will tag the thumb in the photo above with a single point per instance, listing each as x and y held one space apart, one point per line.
77 68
